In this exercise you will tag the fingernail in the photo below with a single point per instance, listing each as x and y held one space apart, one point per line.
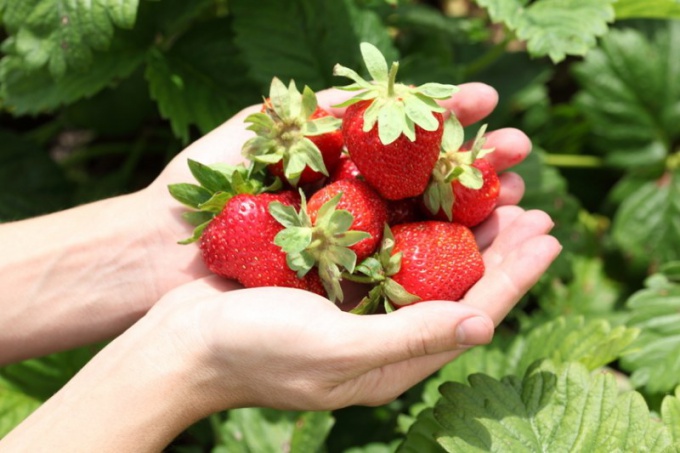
474 331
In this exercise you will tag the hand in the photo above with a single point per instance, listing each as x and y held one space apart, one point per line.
175 264
290 349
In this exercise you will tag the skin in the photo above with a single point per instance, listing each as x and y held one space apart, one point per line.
186 344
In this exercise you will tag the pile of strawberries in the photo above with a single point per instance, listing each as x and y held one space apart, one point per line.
385 195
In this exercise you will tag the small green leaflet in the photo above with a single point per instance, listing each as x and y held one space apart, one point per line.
269 431
632 108
653 360
63 35
647 224
552 408
661 9
553 27
15 406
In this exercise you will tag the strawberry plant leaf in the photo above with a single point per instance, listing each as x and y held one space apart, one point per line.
306 52
25 90
221 90
15 406
31 183
670 414
268 431
633 127
552 27
655 311
552 408
591 342
62 36
662 9
647 224
590 292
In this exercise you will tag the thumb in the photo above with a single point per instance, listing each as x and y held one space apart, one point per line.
423 329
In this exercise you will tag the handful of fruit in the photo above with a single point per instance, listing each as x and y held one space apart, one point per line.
385 195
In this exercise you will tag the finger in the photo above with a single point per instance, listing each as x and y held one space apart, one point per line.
382 385
512 189
201 288
526 226
498 221
503 285
473 102
327 99
417 330
511 146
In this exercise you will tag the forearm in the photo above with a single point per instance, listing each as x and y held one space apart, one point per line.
136 395
77 276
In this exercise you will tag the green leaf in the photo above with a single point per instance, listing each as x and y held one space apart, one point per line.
27 90
188 194
270 431
15 406
454 134
661 9
31 183
554 27
299 39
213 180
552 408
202 80
63 35
653 356
593 342
670 414
293 239
647 224
632 107
590 292
375 62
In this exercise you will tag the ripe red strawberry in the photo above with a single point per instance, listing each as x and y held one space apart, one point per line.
330 144
366 206
440 260
464 187
341 222
392 131
345 169
398 211
234 228
239 244
295 139
420 261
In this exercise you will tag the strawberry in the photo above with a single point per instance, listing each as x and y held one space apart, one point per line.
341 223
298 141
398 211
239 244
392 131
234 228
421 261
464 186
366 206
345 169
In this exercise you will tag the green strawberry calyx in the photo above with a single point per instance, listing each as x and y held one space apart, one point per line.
217 184
396 108
282 131
324 243
454 164
378 270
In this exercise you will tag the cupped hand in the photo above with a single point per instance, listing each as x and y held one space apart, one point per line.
291 349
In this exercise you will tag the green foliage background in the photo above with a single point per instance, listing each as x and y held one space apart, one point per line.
95 97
